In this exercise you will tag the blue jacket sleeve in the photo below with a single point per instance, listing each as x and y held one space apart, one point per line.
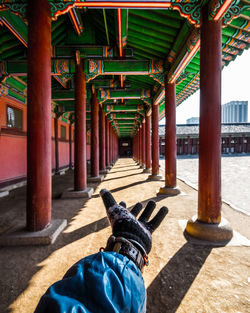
102 282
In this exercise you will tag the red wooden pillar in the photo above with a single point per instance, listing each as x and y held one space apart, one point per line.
114 156
143 144
80 177
115 139
102 140
116 151
107 142
39 116
138 145
110 144
208 224
56 146
70 146
94 136
209 199
170 141
136 148
113 135
155 144
148 144
114 145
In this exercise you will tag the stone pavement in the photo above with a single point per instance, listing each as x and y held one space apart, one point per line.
182 277
235 178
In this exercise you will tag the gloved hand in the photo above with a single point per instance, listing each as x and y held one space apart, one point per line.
125 224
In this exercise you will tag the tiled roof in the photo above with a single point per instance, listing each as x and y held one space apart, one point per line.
193 129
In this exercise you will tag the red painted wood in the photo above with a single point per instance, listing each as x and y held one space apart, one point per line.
80 177
56 145
12 157
155 139
135 147
110 143
113 148
70 146
39 116
107 142
102 140
209 194
140 145
148 142
94 136
143 144
170 135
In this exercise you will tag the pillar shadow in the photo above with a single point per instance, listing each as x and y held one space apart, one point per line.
84 231
128 166
25 261
133 169
170 286
120 177
129 186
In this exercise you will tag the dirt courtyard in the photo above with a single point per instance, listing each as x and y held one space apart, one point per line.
182 276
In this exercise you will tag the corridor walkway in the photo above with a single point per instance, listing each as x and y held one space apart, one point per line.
182 277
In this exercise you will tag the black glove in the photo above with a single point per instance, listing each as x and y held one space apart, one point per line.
124 223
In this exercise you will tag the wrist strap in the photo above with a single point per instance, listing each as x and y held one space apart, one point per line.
134 251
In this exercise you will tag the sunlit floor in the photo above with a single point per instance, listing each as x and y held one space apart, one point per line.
182 277
235 171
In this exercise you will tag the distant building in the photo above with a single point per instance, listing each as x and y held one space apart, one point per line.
235 138
192 120
234 112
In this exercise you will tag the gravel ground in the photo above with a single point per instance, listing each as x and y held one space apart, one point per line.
235 178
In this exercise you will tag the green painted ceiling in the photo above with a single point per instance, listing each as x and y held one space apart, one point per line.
148 34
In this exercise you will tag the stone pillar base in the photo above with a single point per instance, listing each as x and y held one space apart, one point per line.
155 177
96 179
60 173
4 193
71 193
169 191
218 233
21 237
104 172
147 170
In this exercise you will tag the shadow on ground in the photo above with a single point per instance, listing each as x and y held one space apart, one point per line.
18 265
125 176
170 286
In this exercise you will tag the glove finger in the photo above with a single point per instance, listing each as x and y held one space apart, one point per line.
136 209
122 203
107 198
156 221
147 212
